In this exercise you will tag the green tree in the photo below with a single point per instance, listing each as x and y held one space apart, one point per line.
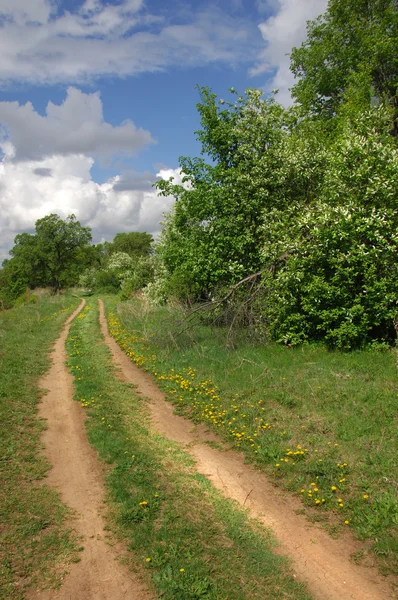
54 256
60 246
214 234
339 279
316 214
353 45
135 243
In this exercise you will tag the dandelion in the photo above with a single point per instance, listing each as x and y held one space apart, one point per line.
148 560
182 570
365 496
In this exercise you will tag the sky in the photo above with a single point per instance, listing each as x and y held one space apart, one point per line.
98 98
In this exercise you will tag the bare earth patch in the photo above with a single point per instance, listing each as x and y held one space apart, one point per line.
77 476
322 562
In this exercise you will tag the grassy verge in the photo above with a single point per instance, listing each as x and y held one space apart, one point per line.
190 542
322 424
35 545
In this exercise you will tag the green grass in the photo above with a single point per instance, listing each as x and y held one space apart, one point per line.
35 544
186 539
322 424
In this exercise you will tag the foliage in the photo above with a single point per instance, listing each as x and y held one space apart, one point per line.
54 256
307 196
88 279
339 281
121 272
60 255
135 243
353 43
60 246
201 245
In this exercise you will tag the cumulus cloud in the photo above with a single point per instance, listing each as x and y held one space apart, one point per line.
46 168
63 185
76 126
41 45
130 203
281 32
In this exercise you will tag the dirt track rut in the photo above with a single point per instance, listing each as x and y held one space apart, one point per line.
324 563
76 474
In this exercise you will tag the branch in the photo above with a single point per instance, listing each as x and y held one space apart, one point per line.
270 268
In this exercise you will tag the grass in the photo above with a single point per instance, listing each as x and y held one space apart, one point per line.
322 424
186 539
36 546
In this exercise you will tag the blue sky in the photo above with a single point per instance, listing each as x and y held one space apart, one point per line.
97 98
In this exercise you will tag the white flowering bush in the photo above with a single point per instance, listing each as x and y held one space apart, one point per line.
156 290
133 272
339 281
88 280
313 206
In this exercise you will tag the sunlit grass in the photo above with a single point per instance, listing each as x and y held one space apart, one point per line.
189 541
35 545
322 424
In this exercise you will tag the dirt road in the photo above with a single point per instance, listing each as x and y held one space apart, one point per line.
77 476
324 563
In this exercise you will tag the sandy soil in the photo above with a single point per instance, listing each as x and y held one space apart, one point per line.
322 562
78 477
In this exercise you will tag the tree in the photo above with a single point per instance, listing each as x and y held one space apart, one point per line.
308 220
124 265
135 243
54 256
60 247
353 45
214 235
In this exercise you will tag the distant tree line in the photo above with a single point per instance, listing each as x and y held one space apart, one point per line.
59 253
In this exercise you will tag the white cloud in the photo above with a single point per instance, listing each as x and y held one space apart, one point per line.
46 168
77 126
23 11
139 208
30 190
281 32
101 39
